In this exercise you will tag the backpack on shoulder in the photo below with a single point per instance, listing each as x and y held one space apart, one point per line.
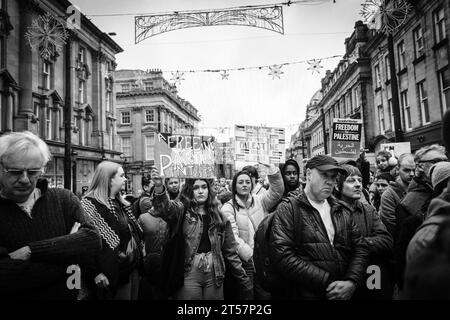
266 274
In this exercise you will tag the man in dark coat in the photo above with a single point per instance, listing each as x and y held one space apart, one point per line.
330 260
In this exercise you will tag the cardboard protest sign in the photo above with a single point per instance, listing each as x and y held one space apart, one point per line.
346 138
184 156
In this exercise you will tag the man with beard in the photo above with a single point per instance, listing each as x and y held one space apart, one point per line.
173 187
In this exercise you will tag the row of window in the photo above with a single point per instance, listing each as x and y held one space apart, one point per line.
149 146
147 86
423 105
317 138
419 46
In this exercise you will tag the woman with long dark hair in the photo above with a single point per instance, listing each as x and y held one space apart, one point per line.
209 243
245 212
114 273
378 239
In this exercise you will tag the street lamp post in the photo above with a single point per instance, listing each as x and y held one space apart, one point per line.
73 156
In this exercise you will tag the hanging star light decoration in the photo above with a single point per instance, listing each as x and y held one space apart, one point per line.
314 65
48 35
275 71
177 77
385 16
225 75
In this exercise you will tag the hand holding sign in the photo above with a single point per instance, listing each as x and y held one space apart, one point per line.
157 180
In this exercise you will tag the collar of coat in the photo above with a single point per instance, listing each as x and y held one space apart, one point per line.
245 204
332 201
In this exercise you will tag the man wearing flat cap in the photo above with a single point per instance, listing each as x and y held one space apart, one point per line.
318 250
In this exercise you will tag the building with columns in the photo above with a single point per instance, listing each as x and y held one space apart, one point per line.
38 91
146 104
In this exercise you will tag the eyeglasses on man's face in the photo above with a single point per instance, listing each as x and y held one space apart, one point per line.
17 173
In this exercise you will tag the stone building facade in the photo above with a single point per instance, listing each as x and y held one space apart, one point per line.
34 90
146 104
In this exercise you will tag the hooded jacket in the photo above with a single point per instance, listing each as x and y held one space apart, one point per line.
438 211
283 169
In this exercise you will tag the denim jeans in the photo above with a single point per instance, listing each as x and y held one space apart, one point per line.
199 281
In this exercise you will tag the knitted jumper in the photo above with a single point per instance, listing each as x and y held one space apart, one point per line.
114 241
52 246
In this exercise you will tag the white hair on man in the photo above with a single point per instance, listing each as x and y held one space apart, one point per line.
20 142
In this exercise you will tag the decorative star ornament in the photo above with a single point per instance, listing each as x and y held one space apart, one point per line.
314 65
177 77
385 16
275 71
48 35
225 75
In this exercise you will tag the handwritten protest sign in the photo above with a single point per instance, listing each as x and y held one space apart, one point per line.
185 156
346 138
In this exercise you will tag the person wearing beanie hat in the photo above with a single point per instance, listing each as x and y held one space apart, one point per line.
380 243
320 254
440 174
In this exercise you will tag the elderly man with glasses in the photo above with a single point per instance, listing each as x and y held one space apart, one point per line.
42 232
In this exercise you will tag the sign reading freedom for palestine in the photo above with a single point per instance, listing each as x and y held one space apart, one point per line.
346 138
184 156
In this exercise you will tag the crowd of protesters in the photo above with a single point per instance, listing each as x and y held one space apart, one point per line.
340 232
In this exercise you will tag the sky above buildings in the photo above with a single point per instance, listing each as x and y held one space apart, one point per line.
251 97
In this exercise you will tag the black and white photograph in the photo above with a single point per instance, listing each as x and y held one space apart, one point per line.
242 151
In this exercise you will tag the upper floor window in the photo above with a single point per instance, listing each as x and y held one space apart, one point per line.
387 67
125 146
148 85
377 75
444 88
46 74
439 25
125 87
381 119
150 147
406 109
125 117
48 123
418 42
150 115
401 55
423 102
356 98
81 91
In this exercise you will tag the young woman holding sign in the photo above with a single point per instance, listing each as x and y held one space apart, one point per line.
207 239
246 211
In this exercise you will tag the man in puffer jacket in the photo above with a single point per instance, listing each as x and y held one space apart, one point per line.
329 261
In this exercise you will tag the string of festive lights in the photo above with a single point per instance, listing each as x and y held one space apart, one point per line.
314 61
